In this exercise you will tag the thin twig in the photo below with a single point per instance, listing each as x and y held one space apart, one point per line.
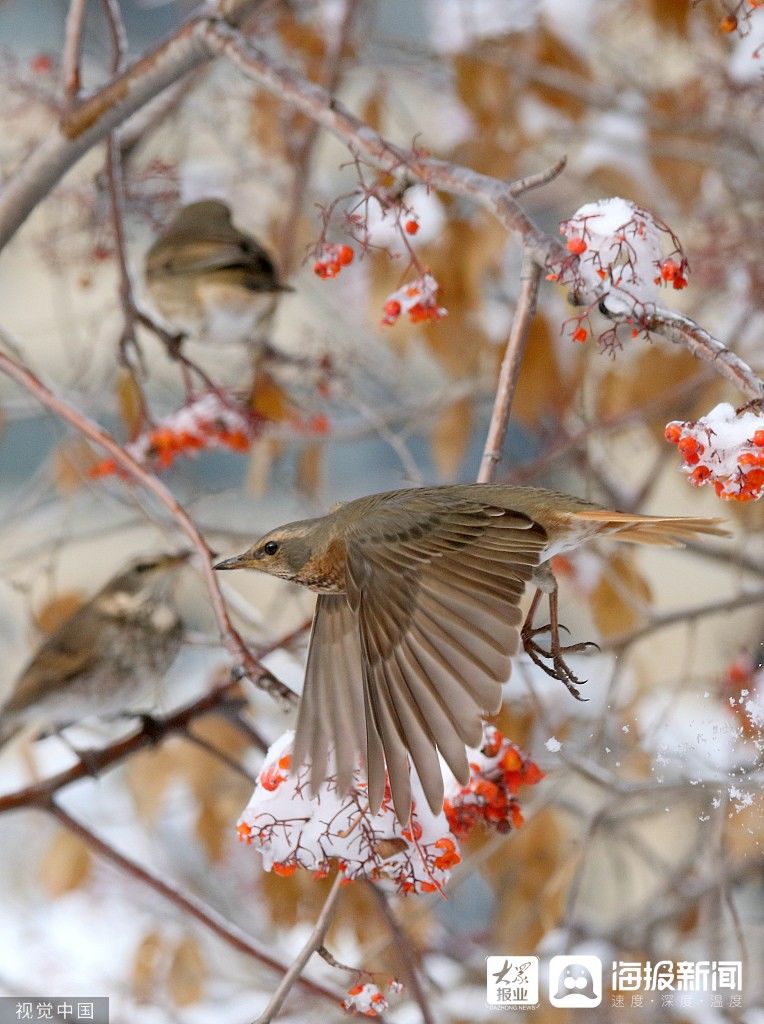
540 178
186 902
314 943
510 369
75 21
256 672
408 956
300 160
683 615
98 760
218 754
681 330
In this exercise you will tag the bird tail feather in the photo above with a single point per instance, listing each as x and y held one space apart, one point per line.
662 531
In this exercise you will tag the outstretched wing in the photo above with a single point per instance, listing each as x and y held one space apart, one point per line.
429 625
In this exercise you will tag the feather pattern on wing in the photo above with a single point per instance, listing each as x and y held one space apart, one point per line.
429 621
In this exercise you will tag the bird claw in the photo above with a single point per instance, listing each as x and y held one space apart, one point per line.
552 661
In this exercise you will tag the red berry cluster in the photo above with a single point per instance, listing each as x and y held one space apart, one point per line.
365 1000
672 273
491 794
332 259
737 474
419 300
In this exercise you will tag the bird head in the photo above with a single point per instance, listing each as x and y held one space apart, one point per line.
148 576
283 552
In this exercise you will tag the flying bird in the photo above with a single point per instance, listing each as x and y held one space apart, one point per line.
418 616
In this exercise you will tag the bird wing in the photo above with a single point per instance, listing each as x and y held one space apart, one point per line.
331 710
433 587
65 656
198 256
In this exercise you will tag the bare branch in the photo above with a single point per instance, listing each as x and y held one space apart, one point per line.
98 760
255 671
408 954
314 943
301 158
75 20
510 369
683 615
531 181
186 902
202 38
90 121
682 330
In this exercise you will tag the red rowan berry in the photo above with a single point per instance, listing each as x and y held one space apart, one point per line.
576 246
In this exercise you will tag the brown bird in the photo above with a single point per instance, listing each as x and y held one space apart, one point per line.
106 660
417 618
206 275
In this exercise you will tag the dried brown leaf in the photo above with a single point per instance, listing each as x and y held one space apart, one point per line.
129 403
309 466
269 399
65 865
620 598
450 437
72 461
541 387
146 962
188 972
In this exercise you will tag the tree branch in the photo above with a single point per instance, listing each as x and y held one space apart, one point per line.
408 955
617 643
314 943
255 671
202 38
75 20
82 126
189 904
510 369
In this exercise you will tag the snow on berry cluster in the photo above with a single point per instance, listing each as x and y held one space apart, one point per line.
213 420
419 299
292 829
497 771
724 448
331 259
366 998
206 422
619 255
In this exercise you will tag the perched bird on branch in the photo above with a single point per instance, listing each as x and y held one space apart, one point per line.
418 616
106 660
209 278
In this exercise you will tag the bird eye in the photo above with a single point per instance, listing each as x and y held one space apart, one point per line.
271 547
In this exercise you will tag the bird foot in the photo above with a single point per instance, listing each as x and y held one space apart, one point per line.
552 661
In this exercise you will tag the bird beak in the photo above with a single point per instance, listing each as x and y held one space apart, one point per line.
236 562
